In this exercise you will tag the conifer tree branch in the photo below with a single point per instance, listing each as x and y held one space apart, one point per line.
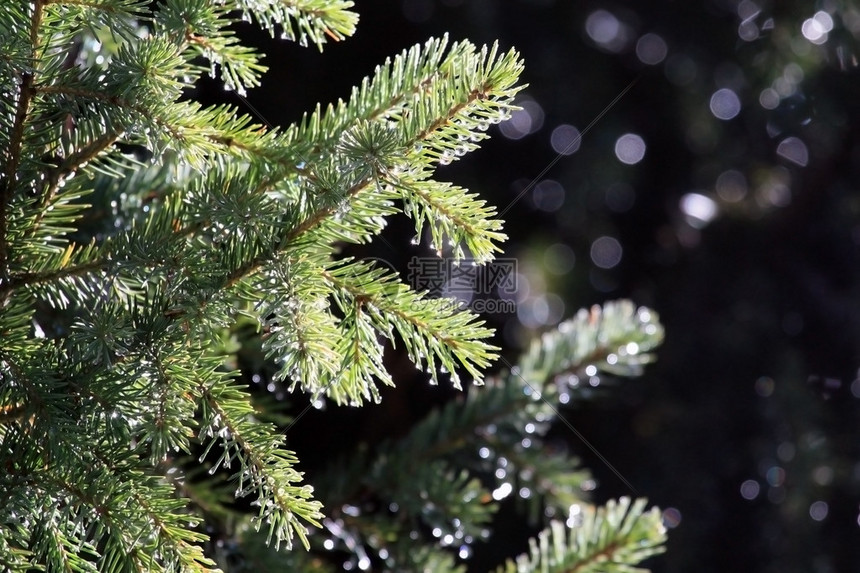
305 19
34 403
8 185
235 219
182 541
25 95
494 418
291 236
478 94
387 305
611 539
117 529
55 537
113 99
30 279
68 167
190 556
265 468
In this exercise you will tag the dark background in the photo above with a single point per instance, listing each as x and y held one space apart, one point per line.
746 429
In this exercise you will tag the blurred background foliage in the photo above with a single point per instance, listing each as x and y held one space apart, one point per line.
722 189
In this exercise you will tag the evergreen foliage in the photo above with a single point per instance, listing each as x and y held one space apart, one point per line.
610 538
139 228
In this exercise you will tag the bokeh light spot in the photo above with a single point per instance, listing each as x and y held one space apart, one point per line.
775 476
559 259
671 517
818 510
523 121
793 149
606 252
630 148
769 98
748 30
565 139
530 313
793 73
543 310
817 28
731 186
725 104
651 49
698 209
855 388
605 29
748 11
750 489
823 475
548 195
502 491
775 191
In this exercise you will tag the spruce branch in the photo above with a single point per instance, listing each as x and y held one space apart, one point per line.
38 278
431 329
483 433
617 338
302 20
108 369
203 30
264 468
425 88
107 516
66 169
118 16
8 185
299 327
613 538
455 218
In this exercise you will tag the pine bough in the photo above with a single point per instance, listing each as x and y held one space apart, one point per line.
137 226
